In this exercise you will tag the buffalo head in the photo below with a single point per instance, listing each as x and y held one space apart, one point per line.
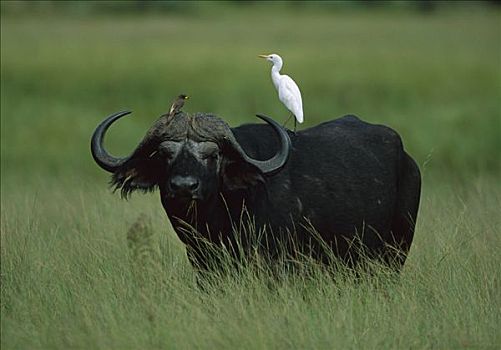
188 157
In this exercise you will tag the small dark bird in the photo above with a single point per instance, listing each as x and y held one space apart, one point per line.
177 104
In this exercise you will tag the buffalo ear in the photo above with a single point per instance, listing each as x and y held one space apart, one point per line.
138 173
238 175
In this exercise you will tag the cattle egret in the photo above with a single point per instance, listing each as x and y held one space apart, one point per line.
177 104
288 91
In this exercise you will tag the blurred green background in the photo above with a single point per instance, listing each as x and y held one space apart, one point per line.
429 70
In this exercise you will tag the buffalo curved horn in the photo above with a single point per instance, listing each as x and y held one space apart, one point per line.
279 159
100 155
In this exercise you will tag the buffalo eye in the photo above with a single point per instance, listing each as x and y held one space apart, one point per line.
168 150
211 155
165 154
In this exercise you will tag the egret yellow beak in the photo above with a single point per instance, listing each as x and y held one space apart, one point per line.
263 56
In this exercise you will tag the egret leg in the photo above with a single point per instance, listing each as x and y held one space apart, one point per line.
295 124
290 116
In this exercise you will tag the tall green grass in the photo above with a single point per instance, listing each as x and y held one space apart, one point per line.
69 280
71 277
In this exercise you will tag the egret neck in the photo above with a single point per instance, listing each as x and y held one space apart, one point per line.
275 72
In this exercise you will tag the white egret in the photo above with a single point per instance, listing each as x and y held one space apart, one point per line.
288 91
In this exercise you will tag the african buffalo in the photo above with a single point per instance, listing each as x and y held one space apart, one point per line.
339 182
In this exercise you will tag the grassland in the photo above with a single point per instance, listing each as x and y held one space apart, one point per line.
67 276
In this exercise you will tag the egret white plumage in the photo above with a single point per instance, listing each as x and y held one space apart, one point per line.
288 91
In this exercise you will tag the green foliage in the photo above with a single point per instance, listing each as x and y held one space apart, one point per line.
70 278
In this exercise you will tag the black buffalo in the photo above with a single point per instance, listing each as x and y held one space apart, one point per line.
317 191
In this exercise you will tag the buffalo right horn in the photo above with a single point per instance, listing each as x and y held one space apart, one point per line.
279 159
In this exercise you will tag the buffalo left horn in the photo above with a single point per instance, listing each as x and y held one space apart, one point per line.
101 156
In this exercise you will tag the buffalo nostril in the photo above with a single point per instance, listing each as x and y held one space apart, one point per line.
184 184
193 185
